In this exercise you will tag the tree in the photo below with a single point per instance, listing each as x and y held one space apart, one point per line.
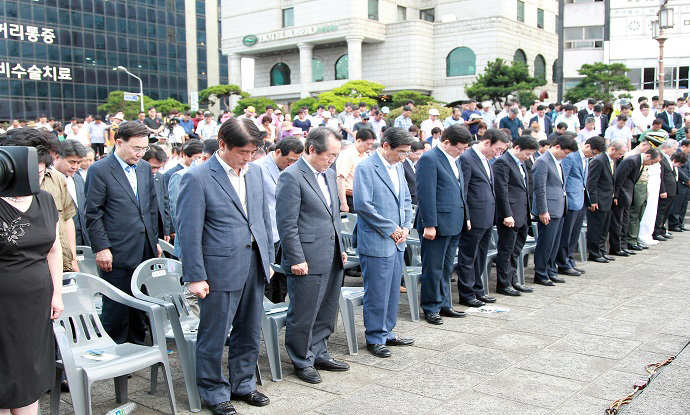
259 104
310 102
167 105
116 103
600 81
352 91
399 98
221 92
500 80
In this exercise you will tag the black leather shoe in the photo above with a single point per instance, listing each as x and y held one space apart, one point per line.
522 288
557 279
486 299
675 229
635 248
609 258
509 291
400 342
580 270
629 251
683 228
620 253
379 350
433 318
548 283
659 238
332 365
569 271
254 398
223 408
471 303
668 236
643 246
449 312
308 374
598 259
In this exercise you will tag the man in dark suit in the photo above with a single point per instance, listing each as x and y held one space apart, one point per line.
156 157
308 221
543 120
225 238
671 121
513 216
587 111
410 168
191 152
549 204
676 216
625 177
575 169
601 121
668 189
72 152
475 239
600 190
441 215
122 220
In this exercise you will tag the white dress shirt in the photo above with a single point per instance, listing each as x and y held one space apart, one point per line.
237 181
485 162
392 173
72 189
452 161
321 180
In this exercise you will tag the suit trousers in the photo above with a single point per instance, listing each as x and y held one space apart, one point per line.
548 239
240 310
276 291
570 236
510 244
381 277
472 250
597 230
662 215
636 211
438 256
620 221
123 324
311 314
676 216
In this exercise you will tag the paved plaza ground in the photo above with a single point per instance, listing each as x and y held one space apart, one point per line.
570 349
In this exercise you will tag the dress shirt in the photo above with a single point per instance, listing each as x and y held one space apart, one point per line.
403 122
521 167
485 162
205 130
321 180
453 165
542 123
597 123
610 162
237 181
585 135
584 161
392 173
452 121
558 166
412 164
72 189
130 172
573 122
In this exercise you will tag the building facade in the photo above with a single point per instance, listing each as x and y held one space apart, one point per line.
300 48
57 56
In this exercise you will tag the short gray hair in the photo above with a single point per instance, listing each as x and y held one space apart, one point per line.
669 143
589 120
318 138
617 145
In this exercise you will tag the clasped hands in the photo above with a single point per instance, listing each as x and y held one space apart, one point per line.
400 235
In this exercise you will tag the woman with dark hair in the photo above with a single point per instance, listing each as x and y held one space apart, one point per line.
30 287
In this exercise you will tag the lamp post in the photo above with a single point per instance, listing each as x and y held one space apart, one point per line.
665 21
141 84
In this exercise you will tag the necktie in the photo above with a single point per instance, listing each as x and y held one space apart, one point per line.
132 178
524 174
611 165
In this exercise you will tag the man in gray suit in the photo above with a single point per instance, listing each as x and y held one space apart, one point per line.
308 221
225 238
287 152
384 218
156 157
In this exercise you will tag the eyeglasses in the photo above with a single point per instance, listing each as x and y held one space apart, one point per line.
403 153
141 149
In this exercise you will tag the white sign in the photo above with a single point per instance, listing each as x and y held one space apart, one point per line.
31 33
289 33
35 73
131 97
194 101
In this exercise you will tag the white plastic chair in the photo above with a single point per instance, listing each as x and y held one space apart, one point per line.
490 258
272 321
167 249
350 297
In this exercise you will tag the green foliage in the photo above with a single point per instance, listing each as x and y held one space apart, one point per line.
501 79
421 112
259 103
352 91
399 98
117 103
221 92
600 81
310 102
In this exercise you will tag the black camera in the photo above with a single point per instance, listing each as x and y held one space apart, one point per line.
18 171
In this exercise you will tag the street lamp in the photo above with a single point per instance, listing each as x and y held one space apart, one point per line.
659 26
141 84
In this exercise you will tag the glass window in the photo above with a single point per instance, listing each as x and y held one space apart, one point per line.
540 67
316 70
79 91
51 15
584 37
520 57
67 91
28 50
29 88
683 77
288 17
99 22
77 39
16 87
25 13
428 15
540 18
402 13
41 52
78 55
11 9
374 9
649 78
4 87
554 69
280 74
635 76
100 42
342 68
53 54
461 62
39 13
87 6
76 19
520 11
111 25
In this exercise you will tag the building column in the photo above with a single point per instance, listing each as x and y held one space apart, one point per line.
354 56
212 49
234 75
190 45
305 65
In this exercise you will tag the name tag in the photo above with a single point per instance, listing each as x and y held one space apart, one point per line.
69 289
80 258
158 273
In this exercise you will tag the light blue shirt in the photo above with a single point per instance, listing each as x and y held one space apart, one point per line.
520 166
130 172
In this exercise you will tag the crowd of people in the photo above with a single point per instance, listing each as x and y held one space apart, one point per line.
237 195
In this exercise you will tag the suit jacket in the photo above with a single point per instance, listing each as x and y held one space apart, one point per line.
603 123
216 233
528 165
575 179
548 127
511 191
309 230
625 176
164 222
669 184
549 190
270 171
380 210
441 196
115 219
80 217
410 179
683 175
600 182
677 121
582 115
479 187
